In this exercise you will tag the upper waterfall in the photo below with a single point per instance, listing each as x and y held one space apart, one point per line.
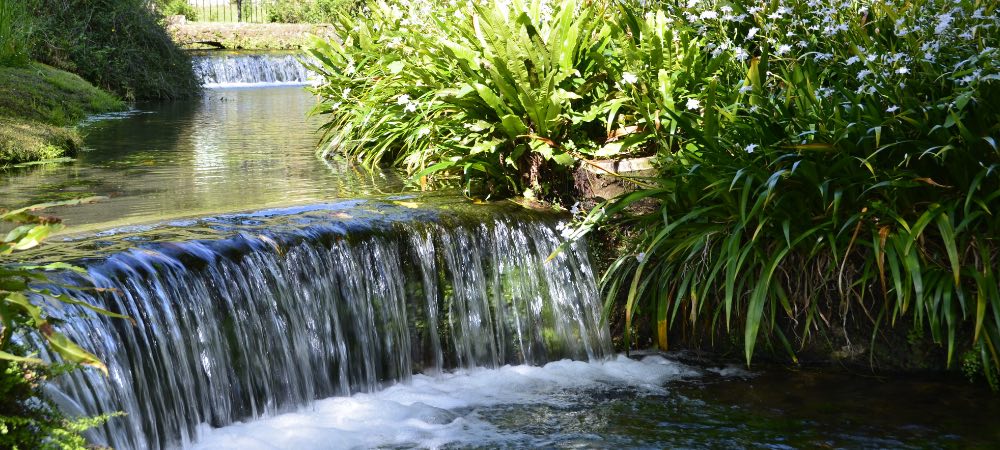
267 321
237 70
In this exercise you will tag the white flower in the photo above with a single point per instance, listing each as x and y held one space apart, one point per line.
943 23
745 88
902 70
750 148
693 104
709 15
852 60
729 9
740 54
640 257
403 99
575 209
629 78
410 107
423 131
753 32
782 49
345 93
892 109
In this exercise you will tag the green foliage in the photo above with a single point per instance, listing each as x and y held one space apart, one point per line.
15 32
508 97
24 295
27 419
839 165
118 45
179 8
309 11
821 162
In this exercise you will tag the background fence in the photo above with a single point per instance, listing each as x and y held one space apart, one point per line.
231 10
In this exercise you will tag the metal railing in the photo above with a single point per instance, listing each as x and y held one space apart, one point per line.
254 11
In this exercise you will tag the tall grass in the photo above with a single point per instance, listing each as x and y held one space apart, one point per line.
15 31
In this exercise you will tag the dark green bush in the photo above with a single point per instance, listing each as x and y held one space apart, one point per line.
15 32
119 45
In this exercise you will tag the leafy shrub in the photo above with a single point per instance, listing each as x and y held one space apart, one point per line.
179 8
309 11
119 45
27 418
509 96
822 163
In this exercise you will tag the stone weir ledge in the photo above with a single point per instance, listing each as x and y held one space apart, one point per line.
244 36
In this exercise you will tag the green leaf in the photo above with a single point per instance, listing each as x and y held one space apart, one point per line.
396 67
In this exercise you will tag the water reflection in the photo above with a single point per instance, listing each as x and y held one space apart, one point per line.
230 150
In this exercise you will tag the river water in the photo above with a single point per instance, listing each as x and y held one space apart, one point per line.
284 302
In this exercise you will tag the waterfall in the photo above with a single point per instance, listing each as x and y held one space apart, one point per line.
236 70
254 325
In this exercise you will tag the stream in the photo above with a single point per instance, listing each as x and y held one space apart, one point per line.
286 302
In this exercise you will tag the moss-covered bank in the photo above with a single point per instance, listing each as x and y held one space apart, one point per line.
38 105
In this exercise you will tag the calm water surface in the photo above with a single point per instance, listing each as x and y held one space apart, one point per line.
230 150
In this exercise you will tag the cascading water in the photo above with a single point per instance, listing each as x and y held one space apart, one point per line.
237 70
256 325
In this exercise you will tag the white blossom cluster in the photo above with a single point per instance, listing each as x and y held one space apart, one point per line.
945 33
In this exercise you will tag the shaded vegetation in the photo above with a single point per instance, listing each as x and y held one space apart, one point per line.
118 45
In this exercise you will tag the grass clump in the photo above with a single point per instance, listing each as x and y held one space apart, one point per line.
824 166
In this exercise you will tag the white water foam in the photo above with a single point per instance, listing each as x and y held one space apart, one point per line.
433 411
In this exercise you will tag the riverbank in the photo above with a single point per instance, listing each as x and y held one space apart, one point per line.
39 105
246 36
